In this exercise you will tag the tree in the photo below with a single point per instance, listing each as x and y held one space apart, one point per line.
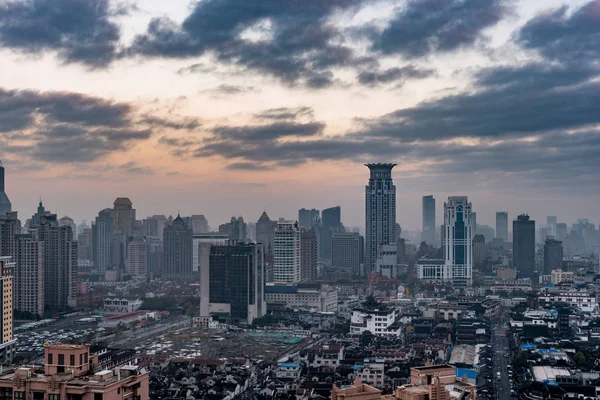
579 358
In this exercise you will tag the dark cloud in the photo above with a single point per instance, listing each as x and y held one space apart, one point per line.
423 27
63 127
187 124
282 113
179 142
229 90
395 74
271 131
301 50
78 31
560 36
247 166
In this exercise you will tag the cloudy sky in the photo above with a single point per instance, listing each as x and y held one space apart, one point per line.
228 107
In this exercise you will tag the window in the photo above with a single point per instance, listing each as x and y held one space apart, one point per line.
98 396
19 395
72 359
50 358
61 359
54 397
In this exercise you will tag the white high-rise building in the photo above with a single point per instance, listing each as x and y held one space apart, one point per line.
380 212
458 236
286 252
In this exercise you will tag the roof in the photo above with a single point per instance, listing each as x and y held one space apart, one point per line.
122 201
289 365
471 374
264 217
546 373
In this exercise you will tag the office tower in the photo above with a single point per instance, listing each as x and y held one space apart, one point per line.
29 276
553 255
286 252
155 255
307 218
346 252
502 225
5 205
458 236
137 257
561 231
387 261
478 250
85 244
265 232
102 236
8 343
235 228
41 211
123 217
332 221
217 239
154 226
232 282
199 224
178 241
60 263
68 221
308 255
524 246
429 230
10 226
380 211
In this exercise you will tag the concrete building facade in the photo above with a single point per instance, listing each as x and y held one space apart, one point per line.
7 342
308 255
346 252
286 252
458 239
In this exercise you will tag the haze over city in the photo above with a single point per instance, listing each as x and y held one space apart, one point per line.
185 106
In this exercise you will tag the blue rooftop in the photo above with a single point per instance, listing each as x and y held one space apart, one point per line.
289 365
528 346
471 374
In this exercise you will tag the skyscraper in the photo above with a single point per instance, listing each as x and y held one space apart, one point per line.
308 255
232 279
429 227
123 224
478 250
29 276
502 225
7 342
85 243
561 231
286 252
307 218
10 226
178 252
553 255
137 257
235 228
265 232
458 239
60 263
5 205
102 233
200 224
332 220
345 252
524 246
380 211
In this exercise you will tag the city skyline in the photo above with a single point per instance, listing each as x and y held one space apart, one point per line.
85 122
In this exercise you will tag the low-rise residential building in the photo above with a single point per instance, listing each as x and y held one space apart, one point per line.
433 270
558 276
379 320
288 371
583 300
121 306
322 355
310 296
371 372
68 374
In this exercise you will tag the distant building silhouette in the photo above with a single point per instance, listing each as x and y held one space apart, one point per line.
308 218
553 255
502 225
346 252
380 211
524 246
178 241
478 250
429 227
5 205
332 223
308 255
235 228
265 232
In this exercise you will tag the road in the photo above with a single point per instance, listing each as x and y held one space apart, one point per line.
129 338
500 363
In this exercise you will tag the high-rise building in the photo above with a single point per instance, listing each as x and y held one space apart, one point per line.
308 255
154 226
178 252
123 217
155 255
478 250
346 252
68 221
502 225
551 220
265 232
85 244
41 211
524 246
308 218
200 224
60 263
429 227
236 229
137 257
380 211
475 226
458 239
232 279
331 219
102 237
5 205
553 255
286 252
217 239
561 231
10 226
29 276
7 344
387 261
